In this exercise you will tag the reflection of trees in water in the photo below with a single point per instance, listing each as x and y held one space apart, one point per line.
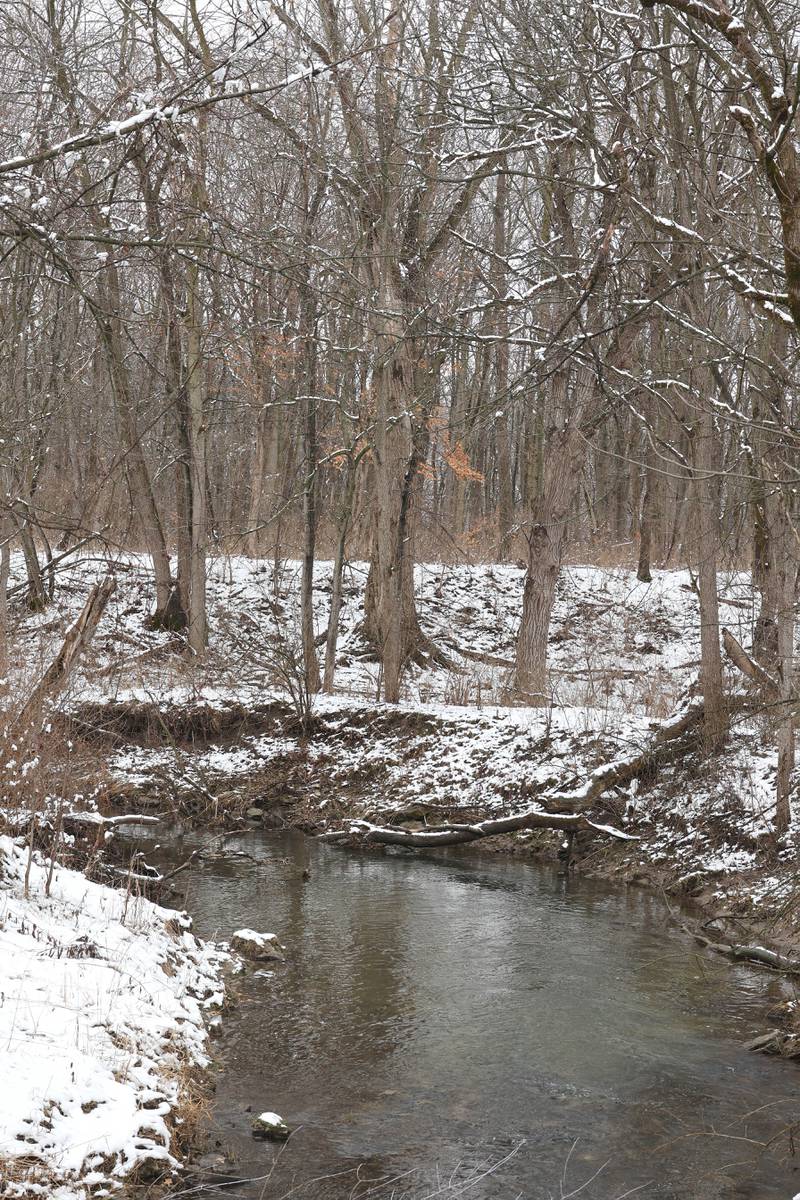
426 1008
347 979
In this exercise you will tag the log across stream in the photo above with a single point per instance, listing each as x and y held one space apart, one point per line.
455 1018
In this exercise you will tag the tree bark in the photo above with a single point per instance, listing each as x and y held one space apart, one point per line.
501 361
646 522
196 431
459 835
344 514
309 402
704 552
390 615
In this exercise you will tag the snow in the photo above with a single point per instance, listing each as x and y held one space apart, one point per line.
102 1010
619 649
259 940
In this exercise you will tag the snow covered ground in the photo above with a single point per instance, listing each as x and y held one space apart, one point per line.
103 997
622 654
616 645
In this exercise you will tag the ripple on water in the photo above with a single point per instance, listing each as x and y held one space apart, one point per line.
486 1019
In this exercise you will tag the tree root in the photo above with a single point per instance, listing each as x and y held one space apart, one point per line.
425 652
428 654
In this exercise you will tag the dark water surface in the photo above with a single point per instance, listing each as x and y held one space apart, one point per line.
444 1016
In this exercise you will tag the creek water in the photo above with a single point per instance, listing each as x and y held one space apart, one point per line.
456 1024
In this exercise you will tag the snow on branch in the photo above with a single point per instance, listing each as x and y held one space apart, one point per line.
168 112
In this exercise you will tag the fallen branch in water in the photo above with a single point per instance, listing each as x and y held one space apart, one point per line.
455 834
155 879
177 870
741 953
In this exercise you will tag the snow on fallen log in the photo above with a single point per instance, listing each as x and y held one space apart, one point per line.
103 1019
556 809
624 770
95 818
458 834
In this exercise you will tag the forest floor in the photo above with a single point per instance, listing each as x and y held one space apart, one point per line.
221 741
219 737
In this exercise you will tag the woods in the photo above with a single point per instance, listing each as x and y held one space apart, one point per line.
514 283
499 285
372 284
399 447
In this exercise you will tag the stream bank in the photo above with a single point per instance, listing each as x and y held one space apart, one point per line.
104 1005
222 763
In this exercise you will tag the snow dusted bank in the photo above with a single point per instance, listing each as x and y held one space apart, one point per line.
102 1022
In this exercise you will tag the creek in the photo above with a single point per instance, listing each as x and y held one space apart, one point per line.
461 1024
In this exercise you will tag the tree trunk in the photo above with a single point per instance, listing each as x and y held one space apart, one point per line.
139 480
705 548
174 616
344 517
258 467
501 356
37 596
646 516
786 570
6 534
551 511
336 609
390 615
544 561
309 402
197 439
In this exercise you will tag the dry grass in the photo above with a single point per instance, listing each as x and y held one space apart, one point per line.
23 1171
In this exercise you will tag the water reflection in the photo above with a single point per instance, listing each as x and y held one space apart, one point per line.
440 1014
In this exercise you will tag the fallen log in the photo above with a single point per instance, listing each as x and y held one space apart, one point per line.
76 639
491 660
555 810
92 818
749 667
777 1042
453 834
743 953
662 746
